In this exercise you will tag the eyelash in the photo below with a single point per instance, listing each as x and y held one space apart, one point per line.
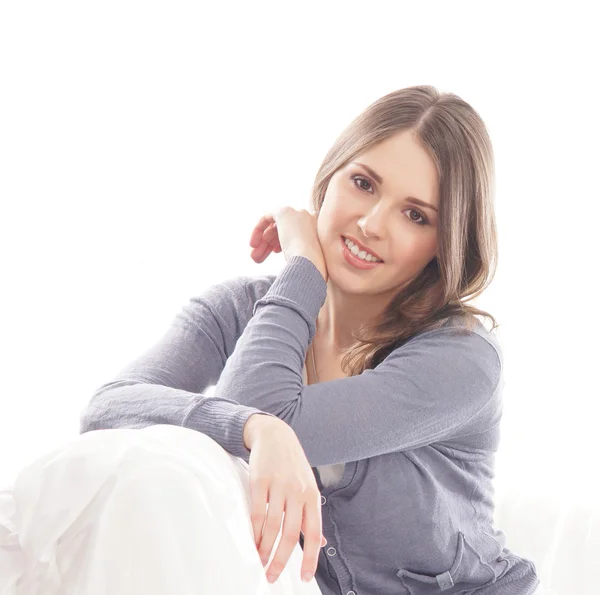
424 219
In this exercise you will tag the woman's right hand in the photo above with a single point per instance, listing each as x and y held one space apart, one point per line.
291 231
281 475
264 239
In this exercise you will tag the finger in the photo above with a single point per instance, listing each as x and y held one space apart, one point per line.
259 254
272 524
271 235
257 232
323 540
259 251
259 235
268 244
289 537
313 535
258 498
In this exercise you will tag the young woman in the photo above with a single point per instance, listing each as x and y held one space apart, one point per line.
357 402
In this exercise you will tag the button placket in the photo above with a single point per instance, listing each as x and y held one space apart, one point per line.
331 551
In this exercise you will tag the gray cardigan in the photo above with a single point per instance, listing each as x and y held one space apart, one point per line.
413 510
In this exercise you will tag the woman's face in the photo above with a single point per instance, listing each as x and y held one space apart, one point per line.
381 215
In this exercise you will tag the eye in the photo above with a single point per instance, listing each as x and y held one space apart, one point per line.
360 179
423 218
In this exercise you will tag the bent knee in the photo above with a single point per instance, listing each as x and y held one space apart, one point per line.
155 449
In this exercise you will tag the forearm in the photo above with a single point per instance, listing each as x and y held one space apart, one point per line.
131 404
265 369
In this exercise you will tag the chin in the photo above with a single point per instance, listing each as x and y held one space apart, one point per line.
344 282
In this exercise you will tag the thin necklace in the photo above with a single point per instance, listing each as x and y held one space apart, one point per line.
312 351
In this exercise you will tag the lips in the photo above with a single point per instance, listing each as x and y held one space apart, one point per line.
363 247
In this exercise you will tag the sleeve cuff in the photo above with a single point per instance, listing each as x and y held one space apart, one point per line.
301 286
223 420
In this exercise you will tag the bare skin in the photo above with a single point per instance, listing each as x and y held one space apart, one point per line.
383 218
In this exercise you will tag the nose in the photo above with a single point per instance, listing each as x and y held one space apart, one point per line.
372 224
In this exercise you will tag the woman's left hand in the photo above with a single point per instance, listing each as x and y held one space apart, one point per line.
289 230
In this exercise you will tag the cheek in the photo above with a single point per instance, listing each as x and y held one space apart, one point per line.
326 221
412 251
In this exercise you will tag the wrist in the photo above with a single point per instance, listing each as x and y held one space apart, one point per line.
252 428
315 257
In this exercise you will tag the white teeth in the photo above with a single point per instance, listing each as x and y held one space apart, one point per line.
360 253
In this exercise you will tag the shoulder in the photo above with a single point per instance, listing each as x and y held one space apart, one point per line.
456 332
239 287
473 334
255 286
456 352
232 298
229 301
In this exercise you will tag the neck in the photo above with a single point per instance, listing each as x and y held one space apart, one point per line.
343 314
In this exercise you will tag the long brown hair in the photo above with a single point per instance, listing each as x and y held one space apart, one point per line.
457 140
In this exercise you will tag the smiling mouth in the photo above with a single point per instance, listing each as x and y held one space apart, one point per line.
378 261
355 261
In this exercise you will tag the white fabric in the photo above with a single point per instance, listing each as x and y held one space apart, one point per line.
558 529
158 511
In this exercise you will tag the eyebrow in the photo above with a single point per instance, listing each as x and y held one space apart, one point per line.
379 180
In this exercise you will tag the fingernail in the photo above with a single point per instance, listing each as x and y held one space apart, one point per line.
307 576
270 578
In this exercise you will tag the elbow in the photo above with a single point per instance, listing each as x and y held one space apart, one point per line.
89 418
95 415
86 425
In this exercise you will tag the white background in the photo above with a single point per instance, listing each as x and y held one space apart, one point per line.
140 142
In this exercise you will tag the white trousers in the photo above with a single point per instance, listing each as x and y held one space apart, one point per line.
162 510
